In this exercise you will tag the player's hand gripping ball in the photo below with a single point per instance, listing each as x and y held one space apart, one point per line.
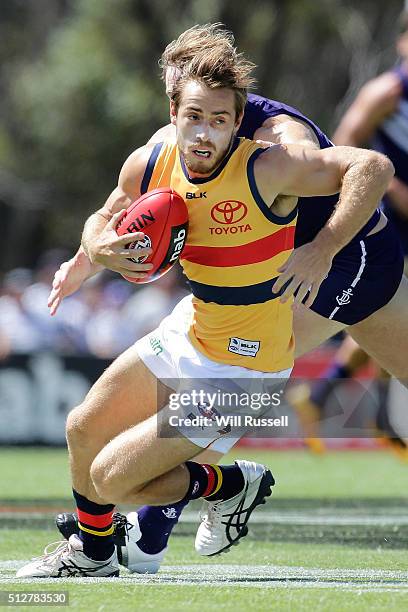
161 214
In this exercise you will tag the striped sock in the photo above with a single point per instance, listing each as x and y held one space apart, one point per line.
214 481
95 527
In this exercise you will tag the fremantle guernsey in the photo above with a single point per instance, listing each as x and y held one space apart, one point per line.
313 212
234 248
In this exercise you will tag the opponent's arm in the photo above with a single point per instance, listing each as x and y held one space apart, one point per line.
284 129
359 175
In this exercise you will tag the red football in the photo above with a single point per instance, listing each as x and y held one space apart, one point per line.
161 214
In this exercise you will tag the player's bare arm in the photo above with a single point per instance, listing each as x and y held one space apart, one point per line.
99 239
69 278
360 176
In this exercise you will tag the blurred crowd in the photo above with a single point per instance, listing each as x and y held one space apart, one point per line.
102 319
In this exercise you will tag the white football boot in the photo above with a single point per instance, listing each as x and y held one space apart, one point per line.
67 560
132 557
126 535
224 523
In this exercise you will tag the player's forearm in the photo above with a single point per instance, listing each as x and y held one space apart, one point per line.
364 183
83 263
92 229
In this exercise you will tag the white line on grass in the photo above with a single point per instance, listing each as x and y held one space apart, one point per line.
258 576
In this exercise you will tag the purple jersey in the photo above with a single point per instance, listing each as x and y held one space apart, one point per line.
313 212
392 140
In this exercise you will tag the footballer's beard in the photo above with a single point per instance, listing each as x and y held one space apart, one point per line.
204 167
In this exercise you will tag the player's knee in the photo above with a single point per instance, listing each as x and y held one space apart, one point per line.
106 481
101 479
109 482
78 429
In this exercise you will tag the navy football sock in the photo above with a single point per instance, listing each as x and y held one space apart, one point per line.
156 524
95 527
322 389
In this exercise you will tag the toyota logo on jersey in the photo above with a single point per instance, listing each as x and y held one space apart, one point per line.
228 212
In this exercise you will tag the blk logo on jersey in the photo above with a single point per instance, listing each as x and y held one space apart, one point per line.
229 214
246 348
195 196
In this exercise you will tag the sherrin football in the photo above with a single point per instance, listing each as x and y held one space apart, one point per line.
161 214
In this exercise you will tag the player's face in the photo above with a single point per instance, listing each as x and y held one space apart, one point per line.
206 125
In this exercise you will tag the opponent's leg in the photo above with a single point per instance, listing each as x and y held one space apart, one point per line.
347 361
311 329
157 522
384 334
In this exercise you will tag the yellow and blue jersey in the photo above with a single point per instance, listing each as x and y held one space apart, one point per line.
234 248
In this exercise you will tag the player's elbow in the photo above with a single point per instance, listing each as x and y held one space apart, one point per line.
382 167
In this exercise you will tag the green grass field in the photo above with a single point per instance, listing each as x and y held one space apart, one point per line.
333 536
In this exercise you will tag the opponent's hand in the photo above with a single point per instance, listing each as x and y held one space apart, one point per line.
305 270
110 251
68 279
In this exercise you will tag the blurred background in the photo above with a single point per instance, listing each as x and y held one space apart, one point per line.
80 89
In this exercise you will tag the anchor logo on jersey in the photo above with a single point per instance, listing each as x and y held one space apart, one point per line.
344 299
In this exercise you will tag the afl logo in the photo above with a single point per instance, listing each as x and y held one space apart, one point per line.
145 243
228 212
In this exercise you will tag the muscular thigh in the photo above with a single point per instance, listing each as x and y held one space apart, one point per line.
311 329
384 334
126 394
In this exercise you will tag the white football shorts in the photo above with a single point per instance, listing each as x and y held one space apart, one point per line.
207 393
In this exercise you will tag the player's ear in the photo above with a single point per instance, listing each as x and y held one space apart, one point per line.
173 112
238 122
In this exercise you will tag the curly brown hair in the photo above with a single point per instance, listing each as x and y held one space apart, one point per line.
198 38
207 54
